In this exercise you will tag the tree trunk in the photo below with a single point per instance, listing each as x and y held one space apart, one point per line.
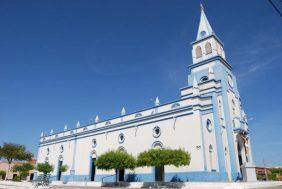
116 176
8 171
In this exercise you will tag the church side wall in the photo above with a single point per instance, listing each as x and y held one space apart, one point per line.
183 131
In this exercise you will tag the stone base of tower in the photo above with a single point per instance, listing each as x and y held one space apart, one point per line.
248 172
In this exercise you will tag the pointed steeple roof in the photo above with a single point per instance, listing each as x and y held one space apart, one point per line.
204 26
78 125
97 119
123 112
157 102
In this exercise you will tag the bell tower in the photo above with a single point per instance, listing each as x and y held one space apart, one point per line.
211 77
207 44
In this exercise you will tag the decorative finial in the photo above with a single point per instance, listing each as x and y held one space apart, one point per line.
211 70
78 125
42 134
97 119
211 73
157 102
195 87
65 128
123 112
51 132
201 7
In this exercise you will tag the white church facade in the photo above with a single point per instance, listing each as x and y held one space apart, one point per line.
207 121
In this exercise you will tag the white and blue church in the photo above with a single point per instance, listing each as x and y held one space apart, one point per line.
207 120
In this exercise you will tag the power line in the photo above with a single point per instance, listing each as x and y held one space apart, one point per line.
275 7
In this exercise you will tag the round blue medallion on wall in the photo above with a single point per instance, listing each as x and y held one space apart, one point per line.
121 138
203 33
156 131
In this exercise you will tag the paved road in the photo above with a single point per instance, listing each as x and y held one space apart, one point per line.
25 186
85 187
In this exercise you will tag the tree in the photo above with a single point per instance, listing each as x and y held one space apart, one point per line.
161 157
45 168
2 174
14 152
23 169
116 160
63 168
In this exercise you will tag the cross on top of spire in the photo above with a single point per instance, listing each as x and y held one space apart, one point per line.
204 26
201 7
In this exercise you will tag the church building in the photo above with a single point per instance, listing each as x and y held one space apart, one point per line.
207 120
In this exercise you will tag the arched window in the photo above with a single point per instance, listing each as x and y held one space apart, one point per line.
157 144
94 143
198 52
208 48
220 108
211 157
209 125
233 122
233 107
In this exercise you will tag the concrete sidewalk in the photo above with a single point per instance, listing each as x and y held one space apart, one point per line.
135 185
190 185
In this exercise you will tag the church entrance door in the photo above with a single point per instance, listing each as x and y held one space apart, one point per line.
59 170
93 169
121 175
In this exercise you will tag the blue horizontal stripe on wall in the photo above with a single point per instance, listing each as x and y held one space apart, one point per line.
150 177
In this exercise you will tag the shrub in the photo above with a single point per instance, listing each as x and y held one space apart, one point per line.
23 169
161 157
45 168
63 168
2 174
16 178
116 160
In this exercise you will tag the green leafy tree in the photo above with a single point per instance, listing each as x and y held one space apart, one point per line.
161 157
275 174
45 168
14 152
23 169
2 174
63 168
116 160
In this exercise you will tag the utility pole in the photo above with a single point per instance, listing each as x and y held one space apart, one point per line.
265 171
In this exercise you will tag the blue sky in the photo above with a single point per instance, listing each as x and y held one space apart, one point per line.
66 61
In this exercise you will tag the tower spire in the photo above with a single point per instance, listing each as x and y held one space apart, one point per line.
204 26
201 7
